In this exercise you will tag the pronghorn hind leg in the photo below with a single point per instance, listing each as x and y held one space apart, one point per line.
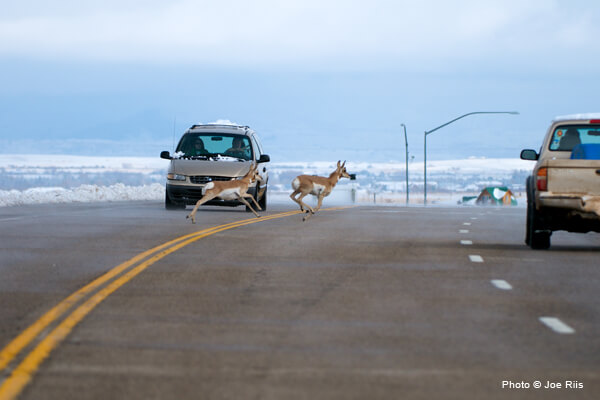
292 196
203 200
243 200
309 208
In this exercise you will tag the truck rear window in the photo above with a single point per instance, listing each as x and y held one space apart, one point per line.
565 137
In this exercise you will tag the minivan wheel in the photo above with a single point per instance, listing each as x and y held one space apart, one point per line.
170 205
263 201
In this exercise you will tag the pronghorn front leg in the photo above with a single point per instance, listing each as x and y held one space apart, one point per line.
248 195
203 200
320 201
241 198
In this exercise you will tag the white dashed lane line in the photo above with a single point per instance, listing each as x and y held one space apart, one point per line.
557 325
501 284
551 322
475 258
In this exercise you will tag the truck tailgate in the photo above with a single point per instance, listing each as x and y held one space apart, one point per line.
574 176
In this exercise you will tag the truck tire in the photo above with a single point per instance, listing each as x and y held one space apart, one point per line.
536 236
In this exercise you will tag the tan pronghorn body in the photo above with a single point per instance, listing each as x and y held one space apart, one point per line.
319 186
235 189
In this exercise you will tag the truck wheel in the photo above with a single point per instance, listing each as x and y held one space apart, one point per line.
170 205
536 236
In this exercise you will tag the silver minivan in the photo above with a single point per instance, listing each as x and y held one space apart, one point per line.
214 152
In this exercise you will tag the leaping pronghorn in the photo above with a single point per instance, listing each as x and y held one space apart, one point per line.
235 189
319 186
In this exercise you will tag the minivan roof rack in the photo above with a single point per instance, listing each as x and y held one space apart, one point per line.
197 126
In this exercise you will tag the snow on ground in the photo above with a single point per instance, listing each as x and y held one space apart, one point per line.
31 166
83 193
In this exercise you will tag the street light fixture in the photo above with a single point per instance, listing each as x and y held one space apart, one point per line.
406 149
441 126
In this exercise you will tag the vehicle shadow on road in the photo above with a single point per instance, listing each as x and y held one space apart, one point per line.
524 248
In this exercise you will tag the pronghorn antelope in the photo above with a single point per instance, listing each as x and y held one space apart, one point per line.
235 189
319 186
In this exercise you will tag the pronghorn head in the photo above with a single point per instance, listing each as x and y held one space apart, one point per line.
341 170
253 173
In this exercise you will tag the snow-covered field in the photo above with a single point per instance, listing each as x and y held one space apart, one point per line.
34 179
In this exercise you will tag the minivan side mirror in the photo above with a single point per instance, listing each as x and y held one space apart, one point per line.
166 155
264 158
528 154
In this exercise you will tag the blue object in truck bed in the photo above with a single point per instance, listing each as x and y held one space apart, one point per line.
590 151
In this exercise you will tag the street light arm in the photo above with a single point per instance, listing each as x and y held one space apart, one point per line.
471 113
439 127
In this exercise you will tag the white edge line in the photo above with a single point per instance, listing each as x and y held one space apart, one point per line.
466 242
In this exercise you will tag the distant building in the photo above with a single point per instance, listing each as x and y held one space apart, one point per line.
496 195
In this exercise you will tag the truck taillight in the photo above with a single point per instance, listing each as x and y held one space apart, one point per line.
595 121
542 179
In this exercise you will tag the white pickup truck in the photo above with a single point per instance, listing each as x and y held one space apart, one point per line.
563 192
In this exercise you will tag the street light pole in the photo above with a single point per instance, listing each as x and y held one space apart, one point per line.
406 149
441 126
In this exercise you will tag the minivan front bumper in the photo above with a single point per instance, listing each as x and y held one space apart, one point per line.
190 194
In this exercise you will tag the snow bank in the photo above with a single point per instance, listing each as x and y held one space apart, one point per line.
83 193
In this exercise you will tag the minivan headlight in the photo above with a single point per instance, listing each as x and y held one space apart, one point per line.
175 177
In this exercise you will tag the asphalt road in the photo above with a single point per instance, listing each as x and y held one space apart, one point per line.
356 303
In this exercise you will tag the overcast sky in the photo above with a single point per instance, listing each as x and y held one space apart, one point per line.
317 79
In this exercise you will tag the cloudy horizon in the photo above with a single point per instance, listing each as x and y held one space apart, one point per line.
316 79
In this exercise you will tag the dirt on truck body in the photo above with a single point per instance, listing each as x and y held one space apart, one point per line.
563 192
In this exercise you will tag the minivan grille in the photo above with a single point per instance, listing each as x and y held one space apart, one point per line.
200 179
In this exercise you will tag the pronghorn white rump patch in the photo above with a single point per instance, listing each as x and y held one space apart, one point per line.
296 184
209 185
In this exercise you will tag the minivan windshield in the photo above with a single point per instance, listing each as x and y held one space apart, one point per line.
206 145
566 137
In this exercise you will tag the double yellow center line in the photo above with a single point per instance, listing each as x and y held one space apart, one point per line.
90 296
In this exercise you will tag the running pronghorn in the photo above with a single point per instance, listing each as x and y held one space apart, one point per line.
319 186
235 189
